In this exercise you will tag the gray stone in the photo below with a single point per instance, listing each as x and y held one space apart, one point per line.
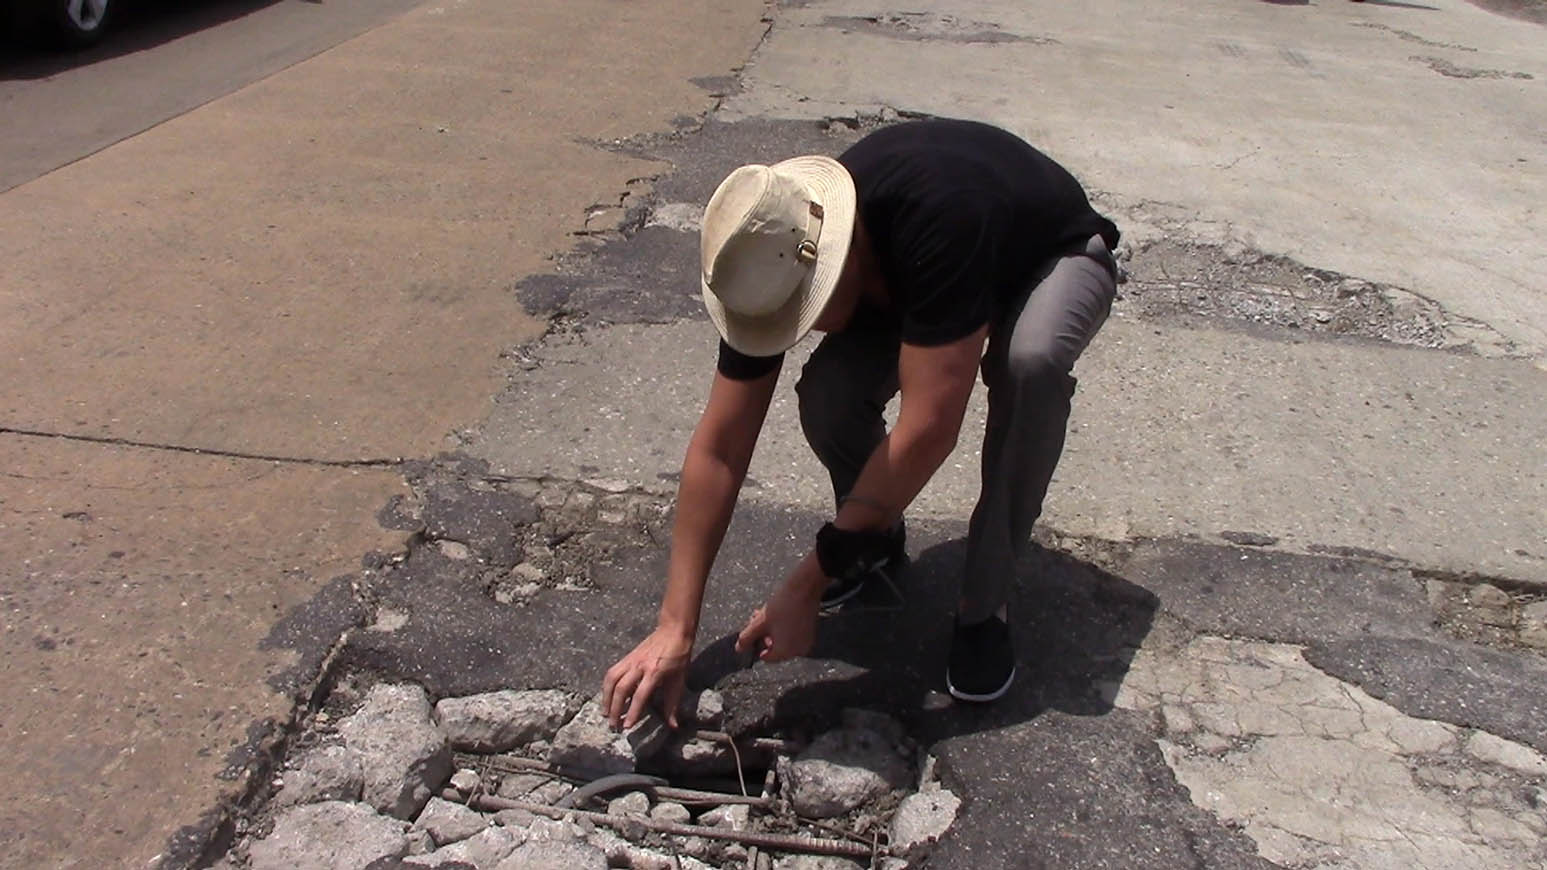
515 818
555 856
501 721
706 708
550 792
692 757
332 835
667 811
816 862
554 831
420 843
923 818
841 770
405 758
635 803
588 741
466 780
622 853
518 785
483 850
328 773
1533 624
1496 750
732 816
448 822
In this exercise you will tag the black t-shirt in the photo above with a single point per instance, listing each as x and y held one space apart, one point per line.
960 215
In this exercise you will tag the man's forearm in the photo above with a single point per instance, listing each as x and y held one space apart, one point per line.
706 497
894 475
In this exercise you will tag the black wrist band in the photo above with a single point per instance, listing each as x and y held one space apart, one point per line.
844 554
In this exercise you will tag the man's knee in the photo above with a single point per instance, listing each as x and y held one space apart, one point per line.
1039 369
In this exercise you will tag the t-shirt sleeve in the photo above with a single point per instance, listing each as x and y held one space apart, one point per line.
948 269
739 367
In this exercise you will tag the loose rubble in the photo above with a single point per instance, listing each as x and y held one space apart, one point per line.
403 754
498 721
332 835
328 773
382 784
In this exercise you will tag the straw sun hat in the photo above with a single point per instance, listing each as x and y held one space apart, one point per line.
772 247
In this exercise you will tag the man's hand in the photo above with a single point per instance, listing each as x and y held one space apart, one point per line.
660 662
785 627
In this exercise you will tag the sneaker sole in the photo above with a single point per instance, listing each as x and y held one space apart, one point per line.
995 695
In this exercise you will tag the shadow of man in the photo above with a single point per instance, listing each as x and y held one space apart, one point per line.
1076 629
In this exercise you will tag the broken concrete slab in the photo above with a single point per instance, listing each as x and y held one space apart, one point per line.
923 818
483 850
840 771
555 856
448 822
503 720
405 757
1311 767
327 773
333 835
588 741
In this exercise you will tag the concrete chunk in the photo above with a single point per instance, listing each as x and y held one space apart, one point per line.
328 773
332 835
448 822
841 770
501 721
555 856
923 818
404 757
588 741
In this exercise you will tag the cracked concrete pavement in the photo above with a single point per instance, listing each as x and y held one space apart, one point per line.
219 335
1257 633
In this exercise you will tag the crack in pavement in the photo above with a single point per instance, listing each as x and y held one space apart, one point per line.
111 441
1348 796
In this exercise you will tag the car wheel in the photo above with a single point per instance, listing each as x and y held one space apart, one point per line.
79 23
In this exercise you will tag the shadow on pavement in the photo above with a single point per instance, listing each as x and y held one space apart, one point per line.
139 25
1076 628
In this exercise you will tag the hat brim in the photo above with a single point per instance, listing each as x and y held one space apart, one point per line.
777 332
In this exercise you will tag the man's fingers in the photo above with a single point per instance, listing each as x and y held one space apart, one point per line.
621 691
672 699
751 634
610 682
636 709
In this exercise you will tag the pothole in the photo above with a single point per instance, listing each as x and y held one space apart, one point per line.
514 537
1179 279
531 779
1489 614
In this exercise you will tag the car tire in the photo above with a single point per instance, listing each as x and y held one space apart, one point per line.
79 23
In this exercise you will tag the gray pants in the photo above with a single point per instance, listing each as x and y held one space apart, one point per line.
1032 348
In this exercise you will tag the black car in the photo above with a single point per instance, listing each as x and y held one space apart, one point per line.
67 23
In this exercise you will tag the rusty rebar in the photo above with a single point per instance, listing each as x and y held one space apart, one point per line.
778 842
775 745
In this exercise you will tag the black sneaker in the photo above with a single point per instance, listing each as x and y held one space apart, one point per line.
982 662
842 589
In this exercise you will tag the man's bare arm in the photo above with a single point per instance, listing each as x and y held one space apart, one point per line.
936 383
712 473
